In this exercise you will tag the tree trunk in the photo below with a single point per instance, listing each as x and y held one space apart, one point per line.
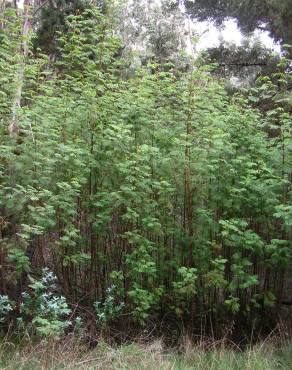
19 78
2 9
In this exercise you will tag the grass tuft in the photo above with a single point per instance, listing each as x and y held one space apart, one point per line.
72 354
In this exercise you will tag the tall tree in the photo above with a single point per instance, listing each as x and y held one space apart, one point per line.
19 78
241 64
152 30
270 15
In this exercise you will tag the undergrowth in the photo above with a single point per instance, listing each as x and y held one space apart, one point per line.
73 354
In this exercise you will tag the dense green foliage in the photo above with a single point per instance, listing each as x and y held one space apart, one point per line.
158 195
52 20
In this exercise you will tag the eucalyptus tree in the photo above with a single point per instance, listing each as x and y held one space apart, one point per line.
152 31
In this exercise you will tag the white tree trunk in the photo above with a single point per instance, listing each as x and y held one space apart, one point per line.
19 78
2 9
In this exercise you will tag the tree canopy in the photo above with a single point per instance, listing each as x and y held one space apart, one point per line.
271 15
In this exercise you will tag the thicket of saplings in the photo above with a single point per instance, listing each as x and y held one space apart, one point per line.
154 202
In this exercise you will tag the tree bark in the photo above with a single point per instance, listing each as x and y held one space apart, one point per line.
19 78
2 10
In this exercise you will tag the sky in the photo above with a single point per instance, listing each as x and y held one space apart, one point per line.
20 3
210 35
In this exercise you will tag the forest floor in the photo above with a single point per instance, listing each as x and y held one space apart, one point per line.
69 355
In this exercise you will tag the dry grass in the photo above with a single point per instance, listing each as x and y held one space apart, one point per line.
71 354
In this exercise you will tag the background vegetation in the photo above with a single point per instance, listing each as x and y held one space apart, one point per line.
136 191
